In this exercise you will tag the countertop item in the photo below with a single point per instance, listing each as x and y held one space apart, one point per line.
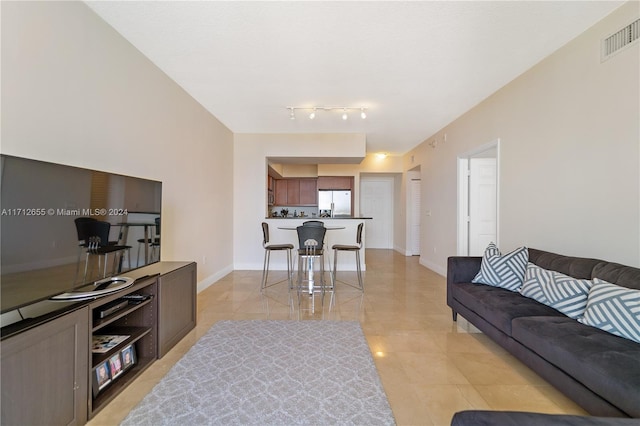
322 218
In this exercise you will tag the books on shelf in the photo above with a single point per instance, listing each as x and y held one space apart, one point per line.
104 343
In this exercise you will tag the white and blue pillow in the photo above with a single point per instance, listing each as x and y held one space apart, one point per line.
505 271
567 294
533 284
614 309
559 291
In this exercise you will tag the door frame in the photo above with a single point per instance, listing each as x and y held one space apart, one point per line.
463 194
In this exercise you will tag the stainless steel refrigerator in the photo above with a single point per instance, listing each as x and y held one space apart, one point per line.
338 203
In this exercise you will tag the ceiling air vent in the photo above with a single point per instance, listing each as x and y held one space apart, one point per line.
620 39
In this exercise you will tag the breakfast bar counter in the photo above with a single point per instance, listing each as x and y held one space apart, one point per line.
343 231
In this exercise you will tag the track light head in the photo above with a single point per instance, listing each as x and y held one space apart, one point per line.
314 109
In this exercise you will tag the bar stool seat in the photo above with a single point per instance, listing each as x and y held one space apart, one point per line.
268 248
352 248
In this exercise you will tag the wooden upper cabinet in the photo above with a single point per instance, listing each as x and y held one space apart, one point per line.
296 192
293 192
309 192
281 192
335 182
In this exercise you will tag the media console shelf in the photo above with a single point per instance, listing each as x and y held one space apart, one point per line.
48 367
136 320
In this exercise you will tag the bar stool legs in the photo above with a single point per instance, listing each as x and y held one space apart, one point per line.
265 268
360 285
353 248
268 248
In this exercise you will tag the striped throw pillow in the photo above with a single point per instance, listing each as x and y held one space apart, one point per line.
505 271
613 309
567 294
534 279
559 291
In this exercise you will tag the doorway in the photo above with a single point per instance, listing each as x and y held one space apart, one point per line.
376 201
478 199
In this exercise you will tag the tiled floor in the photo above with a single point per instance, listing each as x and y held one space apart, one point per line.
430 366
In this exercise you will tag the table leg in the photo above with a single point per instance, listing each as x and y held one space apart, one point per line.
311 281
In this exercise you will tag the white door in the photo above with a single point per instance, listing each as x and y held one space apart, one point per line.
415 203
376 201
482 204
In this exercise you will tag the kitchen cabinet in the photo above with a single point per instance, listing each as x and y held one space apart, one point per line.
296 192
309 192
293 192
281 195
335 182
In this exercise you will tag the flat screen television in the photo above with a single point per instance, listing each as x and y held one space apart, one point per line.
42 254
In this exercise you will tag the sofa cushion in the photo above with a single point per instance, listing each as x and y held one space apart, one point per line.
625 276
614 309
498 306
506 271
607 364
577 267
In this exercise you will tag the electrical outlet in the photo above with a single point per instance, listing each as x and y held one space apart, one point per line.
204 260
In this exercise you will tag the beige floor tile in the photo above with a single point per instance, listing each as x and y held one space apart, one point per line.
443 401
519 398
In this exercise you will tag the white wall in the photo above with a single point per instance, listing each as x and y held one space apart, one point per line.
569 161
75 92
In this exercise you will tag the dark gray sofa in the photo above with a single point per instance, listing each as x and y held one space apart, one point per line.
599 371
518 418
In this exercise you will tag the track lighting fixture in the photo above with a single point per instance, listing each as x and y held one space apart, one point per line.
313 109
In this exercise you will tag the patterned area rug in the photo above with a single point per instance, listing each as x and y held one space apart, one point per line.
271 373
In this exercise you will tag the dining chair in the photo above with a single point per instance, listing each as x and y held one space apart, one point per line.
96 243
153 243
354 249
268 248
313 223
310 249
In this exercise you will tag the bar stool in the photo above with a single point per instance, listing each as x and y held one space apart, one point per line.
268 248
353 248
311 248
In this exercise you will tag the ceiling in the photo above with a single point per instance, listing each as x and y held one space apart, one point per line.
415 65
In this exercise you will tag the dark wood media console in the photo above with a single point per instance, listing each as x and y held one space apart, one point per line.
49 370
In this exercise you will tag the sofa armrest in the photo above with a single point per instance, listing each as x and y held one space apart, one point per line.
460 269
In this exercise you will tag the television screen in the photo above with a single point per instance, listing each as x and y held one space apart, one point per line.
54 223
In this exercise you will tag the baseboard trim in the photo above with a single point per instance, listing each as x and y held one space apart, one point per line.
208 281
438 269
